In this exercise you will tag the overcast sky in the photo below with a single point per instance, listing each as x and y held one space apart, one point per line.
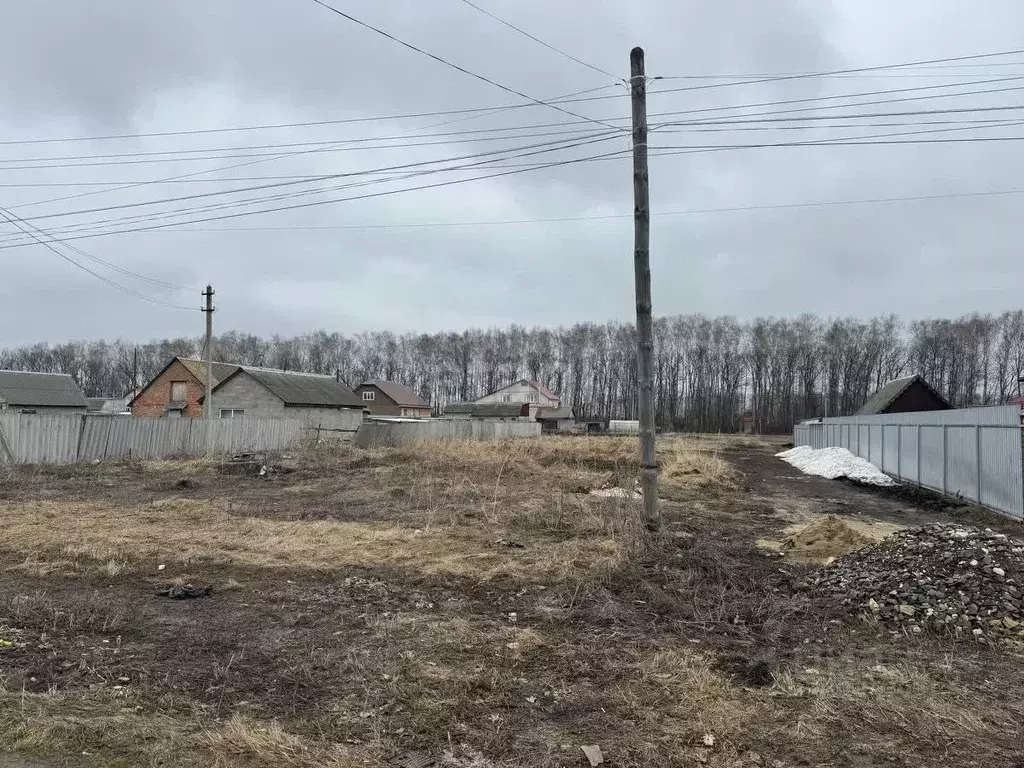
112 67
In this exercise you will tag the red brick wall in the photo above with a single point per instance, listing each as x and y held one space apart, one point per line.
152 401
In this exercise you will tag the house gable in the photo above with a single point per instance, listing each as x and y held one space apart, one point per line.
522 391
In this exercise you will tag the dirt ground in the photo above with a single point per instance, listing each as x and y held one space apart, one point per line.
472 605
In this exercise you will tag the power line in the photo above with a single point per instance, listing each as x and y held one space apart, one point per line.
86 226
840 106
473 110
597 217
557 144
492 111
463 70
221 217
566 99
880 67
28 229
331 145
660 151
546 45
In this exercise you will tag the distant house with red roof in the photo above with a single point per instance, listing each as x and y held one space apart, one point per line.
533 393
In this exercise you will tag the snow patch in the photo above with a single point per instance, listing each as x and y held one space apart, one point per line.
832 463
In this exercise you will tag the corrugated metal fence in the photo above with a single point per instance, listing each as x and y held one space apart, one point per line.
972 452
35 438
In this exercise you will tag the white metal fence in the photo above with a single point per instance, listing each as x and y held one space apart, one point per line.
37 438
974 453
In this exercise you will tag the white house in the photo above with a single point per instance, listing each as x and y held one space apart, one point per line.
523 391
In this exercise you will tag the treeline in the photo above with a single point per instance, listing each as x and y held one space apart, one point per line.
708 370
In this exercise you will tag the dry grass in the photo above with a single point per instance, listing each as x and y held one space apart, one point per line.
679 693
61 724
189 532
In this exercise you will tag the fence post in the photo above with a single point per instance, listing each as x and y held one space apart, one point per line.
881 464
945 431
977 456
919 454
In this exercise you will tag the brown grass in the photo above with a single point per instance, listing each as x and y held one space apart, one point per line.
189 532
60 724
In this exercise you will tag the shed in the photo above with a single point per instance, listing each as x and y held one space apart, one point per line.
389 398
31 392
906 395
555 419
269 393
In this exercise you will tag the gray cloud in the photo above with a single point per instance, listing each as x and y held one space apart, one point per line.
114 66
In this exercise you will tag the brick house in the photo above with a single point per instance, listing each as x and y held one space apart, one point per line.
388 398
178 390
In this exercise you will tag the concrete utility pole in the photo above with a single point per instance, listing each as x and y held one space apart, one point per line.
642 267
208 310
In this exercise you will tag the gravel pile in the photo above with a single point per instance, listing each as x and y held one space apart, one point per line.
949 578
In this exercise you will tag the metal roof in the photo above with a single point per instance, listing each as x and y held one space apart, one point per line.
889 391
459 407
307 389
42 390
500 410
400 393
554 414
198 369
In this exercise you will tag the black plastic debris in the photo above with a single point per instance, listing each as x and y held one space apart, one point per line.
187 592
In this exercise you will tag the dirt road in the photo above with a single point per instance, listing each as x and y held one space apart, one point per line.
794 494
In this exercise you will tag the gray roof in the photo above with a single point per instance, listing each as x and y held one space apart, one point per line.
888 392
198 369
489 410
40 390
400 393
499 410
554 414
302 388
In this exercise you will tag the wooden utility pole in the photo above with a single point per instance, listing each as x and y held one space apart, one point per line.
642 267
208 310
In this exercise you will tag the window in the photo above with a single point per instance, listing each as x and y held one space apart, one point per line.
179 391
368 395
533 398
506 398
232 413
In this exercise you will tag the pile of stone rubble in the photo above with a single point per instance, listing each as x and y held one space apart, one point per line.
963 581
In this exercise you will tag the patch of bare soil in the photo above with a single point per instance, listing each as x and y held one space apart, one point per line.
470 603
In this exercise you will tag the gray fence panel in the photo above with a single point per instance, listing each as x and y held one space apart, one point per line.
975 453
403 433
933 465
908 448
962 461
1000 459
43 438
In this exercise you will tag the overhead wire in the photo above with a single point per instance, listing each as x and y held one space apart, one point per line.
548 145
854 70
220 217
15 221
873 139
542 42
456 67
472 110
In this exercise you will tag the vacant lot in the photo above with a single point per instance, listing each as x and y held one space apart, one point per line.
473 603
